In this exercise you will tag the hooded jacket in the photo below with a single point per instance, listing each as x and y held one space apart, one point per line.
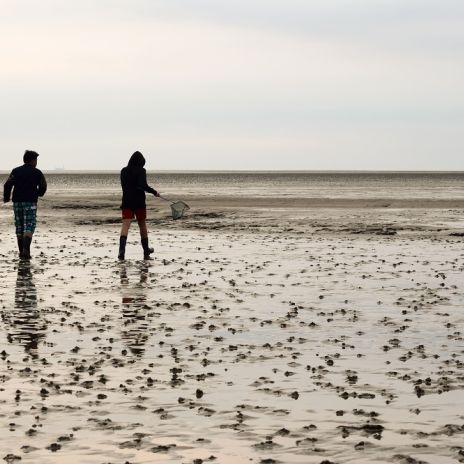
27 183
134 183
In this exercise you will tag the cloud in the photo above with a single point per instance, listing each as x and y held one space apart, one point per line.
273 76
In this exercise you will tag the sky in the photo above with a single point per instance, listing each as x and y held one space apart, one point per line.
233 84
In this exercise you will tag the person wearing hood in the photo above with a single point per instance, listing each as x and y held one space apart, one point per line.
134 185
27 184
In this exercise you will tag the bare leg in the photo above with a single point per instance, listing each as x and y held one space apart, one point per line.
125 227
143 229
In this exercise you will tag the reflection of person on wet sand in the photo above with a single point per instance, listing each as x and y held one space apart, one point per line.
26 326
135 332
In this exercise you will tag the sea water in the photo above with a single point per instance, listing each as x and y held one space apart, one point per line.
399 185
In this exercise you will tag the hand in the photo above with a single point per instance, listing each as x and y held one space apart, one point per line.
6 200
156 194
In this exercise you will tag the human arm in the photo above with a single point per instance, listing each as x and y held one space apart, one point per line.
143 185
42 185
8 187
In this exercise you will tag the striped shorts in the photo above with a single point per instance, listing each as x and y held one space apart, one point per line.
25 217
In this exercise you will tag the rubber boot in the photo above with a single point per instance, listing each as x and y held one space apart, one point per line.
147 251
27 247
20 245
122 247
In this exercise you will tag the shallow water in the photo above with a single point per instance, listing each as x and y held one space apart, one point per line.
245 347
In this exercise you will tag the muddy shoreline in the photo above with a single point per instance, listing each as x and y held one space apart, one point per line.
265 335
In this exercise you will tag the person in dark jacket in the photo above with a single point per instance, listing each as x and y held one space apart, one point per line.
134 185
28 184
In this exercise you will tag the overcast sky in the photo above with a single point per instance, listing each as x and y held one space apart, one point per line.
233 84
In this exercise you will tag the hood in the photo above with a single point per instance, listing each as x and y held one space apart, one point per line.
136 160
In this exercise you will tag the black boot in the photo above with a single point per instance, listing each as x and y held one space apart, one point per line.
20 245
147 251
27 247
122 247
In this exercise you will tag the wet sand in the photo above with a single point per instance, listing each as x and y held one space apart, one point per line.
273 332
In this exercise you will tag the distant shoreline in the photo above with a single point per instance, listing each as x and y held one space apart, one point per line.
329 172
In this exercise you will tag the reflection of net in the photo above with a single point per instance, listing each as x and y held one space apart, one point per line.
178 208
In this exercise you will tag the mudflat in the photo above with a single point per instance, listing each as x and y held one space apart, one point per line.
270 330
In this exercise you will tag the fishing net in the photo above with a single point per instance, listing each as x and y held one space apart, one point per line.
178 209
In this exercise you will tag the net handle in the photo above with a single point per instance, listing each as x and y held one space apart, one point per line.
166 199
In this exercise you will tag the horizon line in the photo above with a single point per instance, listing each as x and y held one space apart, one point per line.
251 171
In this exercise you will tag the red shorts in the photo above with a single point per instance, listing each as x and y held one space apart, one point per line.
139 213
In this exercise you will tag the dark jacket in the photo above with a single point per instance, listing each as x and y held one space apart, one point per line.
28 184
134 183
